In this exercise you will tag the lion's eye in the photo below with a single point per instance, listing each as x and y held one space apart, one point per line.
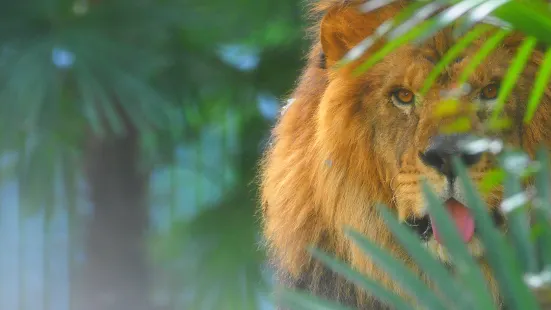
403 96
490 92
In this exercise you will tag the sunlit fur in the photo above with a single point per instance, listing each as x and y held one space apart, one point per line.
343 146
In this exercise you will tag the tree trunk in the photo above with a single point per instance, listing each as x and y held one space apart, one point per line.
115 274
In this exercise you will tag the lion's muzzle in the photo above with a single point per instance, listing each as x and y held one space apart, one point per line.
438 156
443 148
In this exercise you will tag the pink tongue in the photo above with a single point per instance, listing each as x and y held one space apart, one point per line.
462 219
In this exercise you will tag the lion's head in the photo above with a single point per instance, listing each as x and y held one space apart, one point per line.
348 142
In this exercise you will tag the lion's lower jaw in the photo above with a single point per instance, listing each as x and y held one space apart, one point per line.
475 247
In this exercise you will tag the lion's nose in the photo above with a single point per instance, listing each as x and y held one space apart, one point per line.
441 150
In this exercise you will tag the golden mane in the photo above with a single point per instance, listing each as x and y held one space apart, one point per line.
295 193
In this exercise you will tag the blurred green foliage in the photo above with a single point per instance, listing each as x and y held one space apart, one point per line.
175 71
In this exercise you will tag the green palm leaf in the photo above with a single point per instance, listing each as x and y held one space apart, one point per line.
369 285
515 207
514 72
499 254
304 301
484 51
464 264
540 87
398 271
542 207
452 54
458 296
530 17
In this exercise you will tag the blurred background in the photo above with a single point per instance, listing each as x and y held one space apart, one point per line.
130 135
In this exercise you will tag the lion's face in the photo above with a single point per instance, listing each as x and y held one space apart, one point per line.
383 116
413 140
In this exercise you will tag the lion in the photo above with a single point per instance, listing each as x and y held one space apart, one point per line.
349 142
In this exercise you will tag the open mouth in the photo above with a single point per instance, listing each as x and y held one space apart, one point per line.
461 216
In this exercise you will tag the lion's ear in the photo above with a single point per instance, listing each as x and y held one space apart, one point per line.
332 38
344 27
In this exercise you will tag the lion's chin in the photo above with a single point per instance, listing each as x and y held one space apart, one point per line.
423 227
475 247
